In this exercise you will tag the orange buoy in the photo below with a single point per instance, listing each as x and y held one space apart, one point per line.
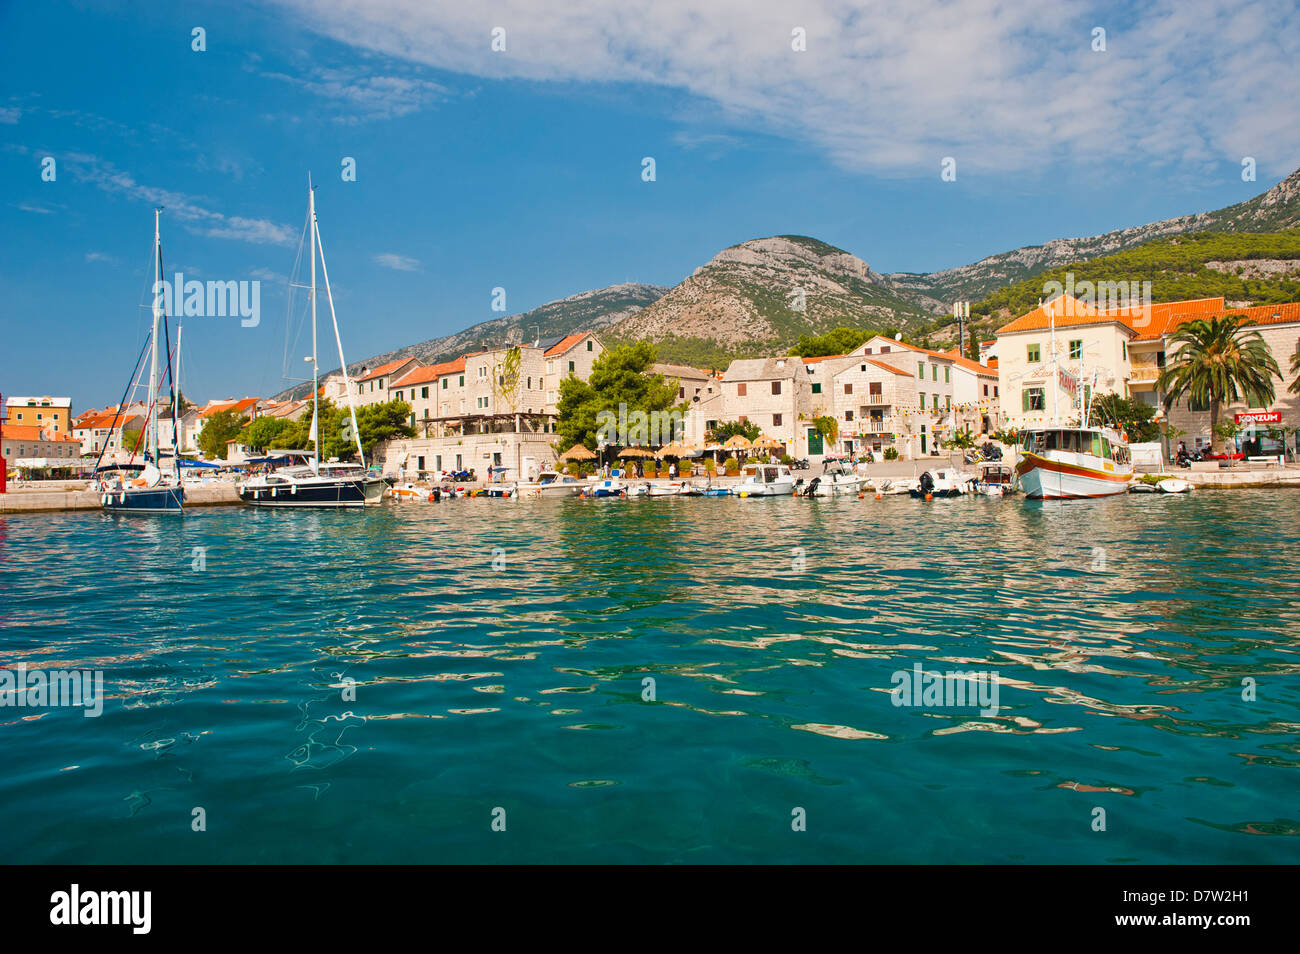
879 495
929 496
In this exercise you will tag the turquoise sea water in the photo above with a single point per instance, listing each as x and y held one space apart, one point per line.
771 628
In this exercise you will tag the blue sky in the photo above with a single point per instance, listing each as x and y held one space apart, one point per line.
522 168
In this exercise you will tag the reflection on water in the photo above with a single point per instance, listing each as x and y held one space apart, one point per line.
660 680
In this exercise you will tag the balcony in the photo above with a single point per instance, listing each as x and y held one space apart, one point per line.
1144 372
876 400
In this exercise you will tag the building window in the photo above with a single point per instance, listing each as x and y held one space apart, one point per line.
874 389
921 397
920 369
776 387
681 392
947 375
1033 399
947 402
986 390
570 367
424 392
995 390
884 349
550 367
1076 349
817 387
589 344
776 420
740 390
444 383
1033 353
848 387
848 415
934 372
1124 347
461 382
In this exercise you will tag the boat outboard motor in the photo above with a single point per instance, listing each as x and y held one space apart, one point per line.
927 483
811 488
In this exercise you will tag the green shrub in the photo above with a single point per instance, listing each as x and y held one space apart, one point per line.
730 464
891 453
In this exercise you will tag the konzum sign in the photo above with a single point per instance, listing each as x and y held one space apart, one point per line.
1259 417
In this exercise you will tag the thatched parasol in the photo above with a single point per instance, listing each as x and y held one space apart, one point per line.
629 452
577 452
676 449
737 442
768 443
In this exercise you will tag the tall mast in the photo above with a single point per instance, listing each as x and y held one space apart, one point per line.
1056 370
151 426
315 388
343 364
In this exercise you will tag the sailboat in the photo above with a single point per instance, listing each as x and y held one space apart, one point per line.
1059 462
312 483
144 487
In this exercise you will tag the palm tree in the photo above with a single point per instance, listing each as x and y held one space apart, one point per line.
1213 361
1295 369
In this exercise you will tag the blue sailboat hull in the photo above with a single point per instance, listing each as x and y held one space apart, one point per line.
144 500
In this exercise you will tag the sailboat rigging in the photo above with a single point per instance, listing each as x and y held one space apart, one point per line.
145 488
317 484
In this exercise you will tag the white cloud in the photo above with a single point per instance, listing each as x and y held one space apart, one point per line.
38 210
894 87
396 262
102 257
365 95
9 114
191 212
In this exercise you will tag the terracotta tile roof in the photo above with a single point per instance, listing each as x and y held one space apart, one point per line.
963 362
431 372
36 432
1269 314
1257 315
386 368
567 342
824 357
101 421
887 367
238 407
1163 314
1067 310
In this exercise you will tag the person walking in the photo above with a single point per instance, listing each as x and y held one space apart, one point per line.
672 471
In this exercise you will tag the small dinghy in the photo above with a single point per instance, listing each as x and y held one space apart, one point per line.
1141 487
1174 485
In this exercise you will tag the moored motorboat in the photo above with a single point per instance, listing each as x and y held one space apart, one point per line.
1174 485
609 487
944 482
836 479
551 483
765 480
409 491
1068 462
995 480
